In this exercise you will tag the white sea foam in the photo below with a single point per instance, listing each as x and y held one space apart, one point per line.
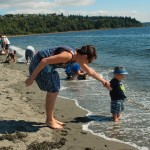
77 104
20 51
85 127
102 135
63 88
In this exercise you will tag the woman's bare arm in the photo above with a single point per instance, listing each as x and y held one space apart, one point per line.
91 72
56 59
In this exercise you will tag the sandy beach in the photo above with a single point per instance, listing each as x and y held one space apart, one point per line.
22 118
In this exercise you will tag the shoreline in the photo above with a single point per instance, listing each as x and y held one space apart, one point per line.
22 109
85 128
55 32
68 31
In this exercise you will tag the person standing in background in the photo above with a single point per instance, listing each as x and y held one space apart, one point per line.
5 43
1 43
29 53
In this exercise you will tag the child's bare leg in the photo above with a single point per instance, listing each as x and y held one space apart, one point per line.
115 118
50 103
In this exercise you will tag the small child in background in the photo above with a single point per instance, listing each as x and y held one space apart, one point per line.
11 57
74 70
117 92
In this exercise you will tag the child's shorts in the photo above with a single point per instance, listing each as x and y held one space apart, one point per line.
117 106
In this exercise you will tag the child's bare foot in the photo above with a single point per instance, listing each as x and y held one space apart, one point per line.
116 120
54 125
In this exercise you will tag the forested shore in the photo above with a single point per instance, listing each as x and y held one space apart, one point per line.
24 24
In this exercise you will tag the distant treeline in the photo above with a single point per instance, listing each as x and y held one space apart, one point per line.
21 24
146 24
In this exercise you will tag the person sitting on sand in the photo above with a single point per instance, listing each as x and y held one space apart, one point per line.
74 70
10 57
117 93
42 69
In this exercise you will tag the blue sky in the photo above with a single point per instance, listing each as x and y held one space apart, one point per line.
139 9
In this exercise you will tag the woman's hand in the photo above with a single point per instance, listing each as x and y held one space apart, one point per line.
107 85
29 81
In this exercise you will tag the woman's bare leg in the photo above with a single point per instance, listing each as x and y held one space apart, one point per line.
50 103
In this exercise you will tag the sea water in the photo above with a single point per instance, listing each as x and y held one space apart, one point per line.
129 47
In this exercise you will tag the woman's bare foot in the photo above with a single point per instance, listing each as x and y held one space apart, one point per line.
59 122
54 125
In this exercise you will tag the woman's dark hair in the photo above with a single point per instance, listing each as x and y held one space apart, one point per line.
88 50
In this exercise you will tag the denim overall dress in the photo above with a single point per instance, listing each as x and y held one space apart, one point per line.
48 78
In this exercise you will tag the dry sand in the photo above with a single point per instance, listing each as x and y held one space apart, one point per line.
22 117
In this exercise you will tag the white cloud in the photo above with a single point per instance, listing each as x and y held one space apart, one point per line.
46 10
40 6
134 12
60 6
74 2
13 4
84 13
26 4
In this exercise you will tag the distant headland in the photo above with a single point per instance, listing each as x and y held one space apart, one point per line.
24 24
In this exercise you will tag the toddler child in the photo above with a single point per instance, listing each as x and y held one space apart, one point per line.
117 92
